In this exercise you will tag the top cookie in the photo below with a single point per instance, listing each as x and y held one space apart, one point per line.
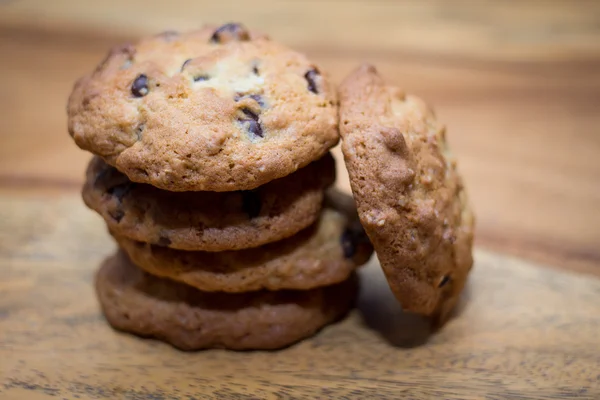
210 110
409 195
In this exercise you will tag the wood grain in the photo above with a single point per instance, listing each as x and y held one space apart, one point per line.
489 29
522 331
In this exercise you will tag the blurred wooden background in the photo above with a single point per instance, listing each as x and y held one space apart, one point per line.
517 83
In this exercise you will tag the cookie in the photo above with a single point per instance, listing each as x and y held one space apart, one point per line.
409 194
208 221
217 109
321 255
136 302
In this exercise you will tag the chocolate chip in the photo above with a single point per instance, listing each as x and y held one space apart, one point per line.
102 175
255 70
202 77
164 241
120 191
256 97
108 178
251 123
348 244
252 126
353 237
251 203
186 62
311 77
445 280
139 87
230 32
250 113
117 215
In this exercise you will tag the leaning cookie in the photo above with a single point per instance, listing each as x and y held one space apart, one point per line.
136 302
410 197
321 255
208 221
218 109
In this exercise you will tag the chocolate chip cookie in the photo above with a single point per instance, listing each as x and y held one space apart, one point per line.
208 221
136 302
321 255
409 195
217 109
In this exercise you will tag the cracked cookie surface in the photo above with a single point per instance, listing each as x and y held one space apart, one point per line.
208 221
217 109
409 194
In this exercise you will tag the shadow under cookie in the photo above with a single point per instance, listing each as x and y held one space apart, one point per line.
381 311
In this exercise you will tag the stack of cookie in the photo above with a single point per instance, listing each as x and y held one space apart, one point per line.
210 171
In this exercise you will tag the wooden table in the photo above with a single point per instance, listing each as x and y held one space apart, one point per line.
517 84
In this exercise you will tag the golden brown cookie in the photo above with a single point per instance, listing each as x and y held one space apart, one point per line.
409 195
321 255
217 109
208 221
136 302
